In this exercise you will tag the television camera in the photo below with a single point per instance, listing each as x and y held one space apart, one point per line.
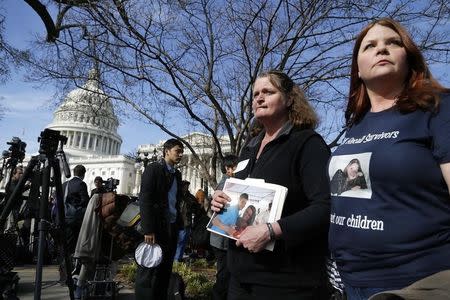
110 184
14 155
16 149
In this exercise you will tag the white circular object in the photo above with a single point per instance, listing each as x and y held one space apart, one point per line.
148 256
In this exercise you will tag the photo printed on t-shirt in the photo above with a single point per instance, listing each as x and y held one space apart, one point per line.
349 175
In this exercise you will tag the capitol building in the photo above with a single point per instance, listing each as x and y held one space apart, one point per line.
86 117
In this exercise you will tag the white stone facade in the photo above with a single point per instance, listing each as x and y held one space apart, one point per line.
115 166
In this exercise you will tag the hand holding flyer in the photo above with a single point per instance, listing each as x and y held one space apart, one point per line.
252 202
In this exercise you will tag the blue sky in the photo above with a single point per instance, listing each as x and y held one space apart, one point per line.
27 110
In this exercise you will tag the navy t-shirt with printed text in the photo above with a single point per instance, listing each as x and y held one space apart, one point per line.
395 230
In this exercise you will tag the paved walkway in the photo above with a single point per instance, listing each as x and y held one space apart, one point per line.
51 289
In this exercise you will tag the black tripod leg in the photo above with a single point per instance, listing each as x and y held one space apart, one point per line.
43 228
62 225
44 224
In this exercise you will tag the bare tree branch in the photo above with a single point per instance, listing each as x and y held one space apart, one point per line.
188 66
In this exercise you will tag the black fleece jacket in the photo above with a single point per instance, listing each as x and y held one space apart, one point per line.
296 159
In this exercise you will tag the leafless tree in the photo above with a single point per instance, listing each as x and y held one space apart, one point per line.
190 65
9 57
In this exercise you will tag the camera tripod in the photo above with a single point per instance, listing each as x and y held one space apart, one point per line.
51 157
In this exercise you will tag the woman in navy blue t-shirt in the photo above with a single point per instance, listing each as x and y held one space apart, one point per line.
396 230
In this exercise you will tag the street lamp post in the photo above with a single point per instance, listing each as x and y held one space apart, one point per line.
154 156
146 159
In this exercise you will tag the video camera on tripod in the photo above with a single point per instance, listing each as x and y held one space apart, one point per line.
43 168
16 149
49 141
110 184
14 155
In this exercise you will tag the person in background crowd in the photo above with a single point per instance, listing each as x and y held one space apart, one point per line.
76 199
399 234
200 235
286 151
219 243
200 195
229 164
159 202
21 210
99 189
13 217
15 177
189 208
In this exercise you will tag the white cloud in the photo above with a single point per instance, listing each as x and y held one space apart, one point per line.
27 101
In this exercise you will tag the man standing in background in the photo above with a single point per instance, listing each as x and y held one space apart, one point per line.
76 200
9 188
159 202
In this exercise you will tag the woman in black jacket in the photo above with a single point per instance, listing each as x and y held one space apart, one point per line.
287 151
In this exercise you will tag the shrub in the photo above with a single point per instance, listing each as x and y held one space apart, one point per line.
198 285
128 271
199 264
